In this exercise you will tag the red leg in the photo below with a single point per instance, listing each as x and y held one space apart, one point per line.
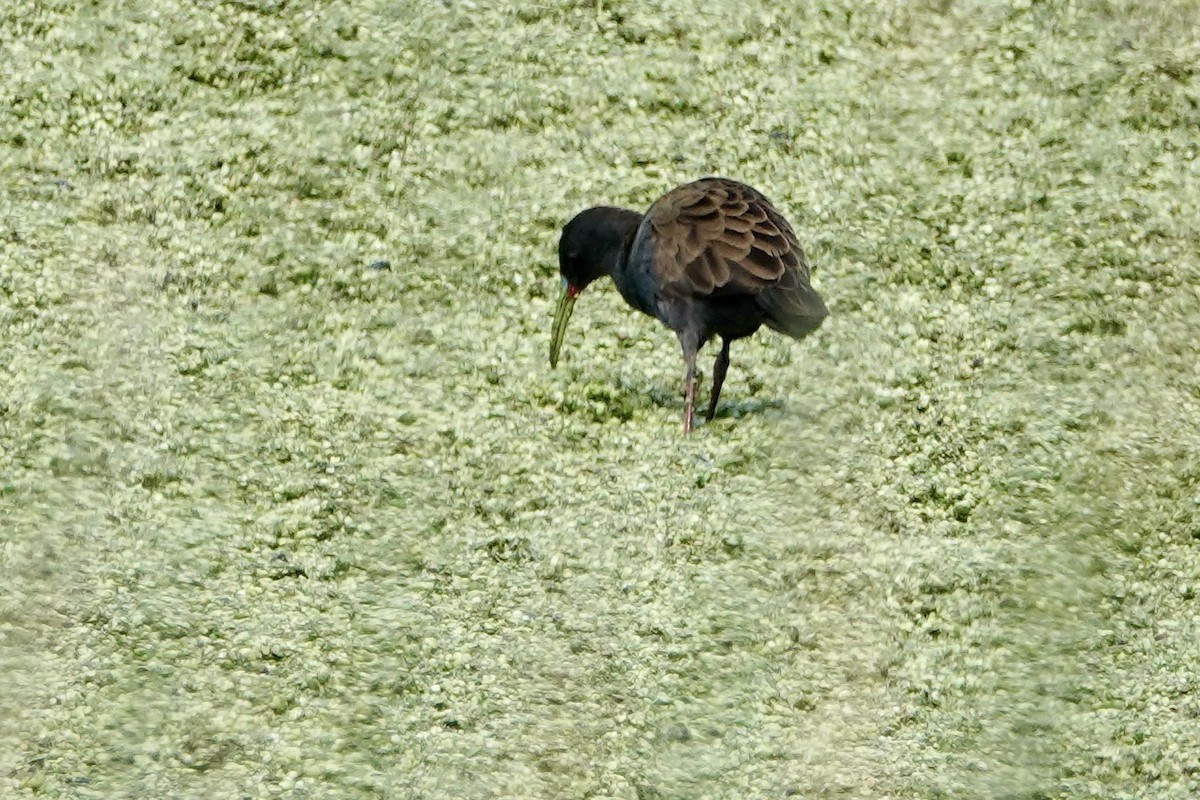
689 397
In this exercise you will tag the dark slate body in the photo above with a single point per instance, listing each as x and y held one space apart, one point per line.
710 258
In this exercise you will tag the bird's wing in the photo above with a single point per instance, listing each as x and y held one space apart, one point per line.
720 237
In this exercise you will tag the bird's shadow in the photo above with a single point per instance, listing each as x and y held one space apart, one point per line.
662 396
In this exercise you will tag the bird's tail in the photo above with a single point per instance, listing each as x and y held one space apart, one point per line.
792 306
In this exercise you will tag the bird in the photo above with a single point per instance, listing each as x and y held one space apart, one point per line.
710 258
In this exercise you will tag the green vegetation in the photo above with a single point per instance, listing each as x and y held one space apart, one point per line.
278 521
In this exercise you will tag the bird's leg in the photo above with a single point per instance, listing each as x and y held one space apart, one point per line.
689 343
689 382
720 366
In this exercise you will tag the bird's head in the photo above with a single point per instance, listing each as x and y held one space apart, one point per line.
591 246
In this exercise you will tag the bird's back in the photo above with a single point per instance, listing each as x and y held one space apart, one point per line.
723 244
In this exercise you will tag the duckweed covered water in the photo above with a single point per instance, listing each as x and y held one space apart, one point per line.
294 507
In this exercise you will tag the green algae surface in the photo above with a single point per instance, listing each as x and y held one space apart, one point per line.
293 506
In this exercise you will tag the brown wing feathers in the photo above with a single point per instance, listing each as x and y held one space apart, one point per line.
720 237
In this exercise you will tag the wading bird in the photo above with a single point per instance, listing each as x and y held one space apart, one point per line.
710 258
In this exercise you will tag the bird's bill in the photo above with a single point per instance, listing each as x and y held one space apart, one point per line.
566 304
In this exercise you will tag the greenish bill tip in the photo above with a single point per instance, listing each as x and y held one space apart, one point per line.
566 304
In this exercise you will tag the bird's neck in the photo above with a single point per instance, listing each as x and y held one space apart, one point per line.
630 280
623 231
